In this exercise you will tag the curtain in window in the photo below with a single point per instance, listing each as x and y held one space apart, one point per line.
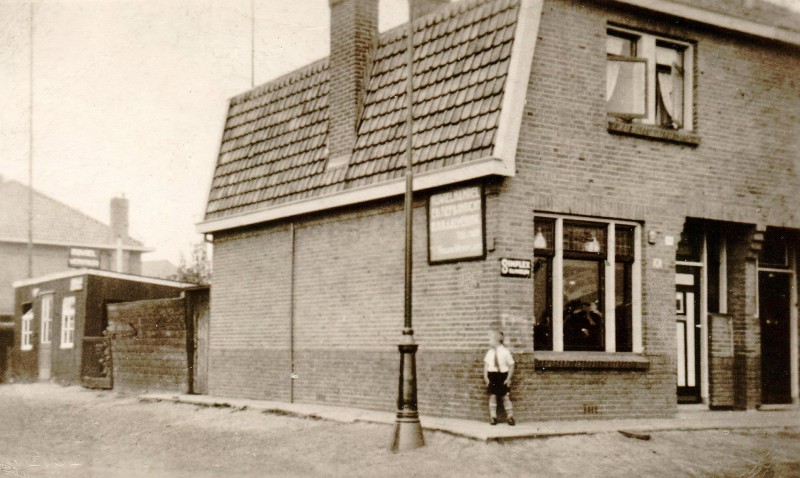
612 75
665 93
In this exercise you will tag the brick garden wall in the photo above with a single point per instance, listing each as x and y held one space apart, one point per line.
149 345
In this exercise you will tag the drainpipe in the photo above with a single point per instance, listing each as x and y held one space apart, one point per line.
291 316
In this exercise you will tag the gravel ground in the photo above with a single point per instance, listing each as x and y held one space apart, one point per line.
48 430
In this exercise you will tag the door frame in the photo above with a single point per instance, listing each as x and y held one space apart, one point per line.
699 326
46 346
794 342
702 300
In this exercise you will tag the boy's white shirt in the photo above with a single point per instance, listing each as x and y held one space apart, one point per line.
504 358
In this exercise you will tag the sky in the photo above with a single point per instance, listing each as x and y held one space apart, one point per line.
130 97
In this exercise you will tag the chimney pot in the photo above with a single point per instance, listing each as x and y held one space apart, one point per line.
420 8
119 217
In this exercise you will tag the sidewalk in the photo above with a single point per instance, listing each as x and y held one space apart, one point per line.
482 431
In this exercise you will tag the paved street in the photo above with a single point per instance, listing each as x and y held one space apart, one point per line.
48 430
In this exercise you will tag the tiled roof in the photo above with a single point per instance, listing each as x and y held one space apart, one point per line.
274 144
53 221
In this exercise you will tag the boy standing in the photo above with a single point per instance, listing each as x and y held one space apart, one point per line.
498 367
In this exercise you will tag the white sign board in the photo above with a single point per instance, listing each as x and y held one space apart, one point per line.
455 225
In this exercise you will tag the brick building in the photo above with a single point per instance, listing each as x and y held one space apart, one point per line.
613 184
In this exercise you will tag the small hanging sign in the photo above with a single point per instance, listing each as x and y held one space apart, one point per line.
515 267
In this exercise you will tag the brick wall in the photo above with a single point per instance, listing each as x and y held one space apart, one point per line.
250 311
721 361
149 345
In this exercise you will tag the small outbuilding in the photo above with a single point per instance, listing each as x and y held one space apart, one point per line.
60 319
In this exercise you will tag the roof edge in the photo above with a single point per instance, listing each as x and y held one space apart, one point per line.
516 91
124 247
96 272
488 166
716 19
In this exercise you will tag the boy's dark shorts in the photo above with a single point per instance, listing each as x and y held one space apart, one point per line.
497 385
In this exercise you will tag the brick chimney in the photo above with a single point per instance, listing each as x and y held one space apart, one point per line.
420 8
354 34
119 218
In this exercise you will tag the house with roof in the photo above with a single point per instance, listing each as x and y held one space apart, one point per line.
62 238
611 183
63 320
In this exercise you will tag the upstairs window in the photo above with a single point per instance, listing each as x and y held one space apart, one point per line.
648 79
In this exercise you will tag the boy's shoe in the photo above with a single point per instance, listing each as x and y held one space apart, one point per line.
511 421
493 421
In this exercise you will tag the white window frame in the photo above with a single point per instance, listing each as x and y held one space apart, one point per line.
26 334
646 50
46 312
609 286
68 322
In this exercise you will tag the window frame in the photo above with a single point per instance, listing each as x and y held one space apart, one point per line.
46 319
555 255
68 322
26 332
645 49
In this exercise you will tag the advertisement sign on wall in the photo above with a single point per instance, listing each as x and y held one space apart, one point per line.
456 225
84 258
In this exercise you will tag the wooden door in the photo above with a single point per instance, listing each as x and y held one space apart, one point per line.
774 311
45 336
200 382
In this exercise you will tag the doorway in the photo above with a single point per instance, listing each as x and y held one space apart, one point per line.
687 328
774 307
45 336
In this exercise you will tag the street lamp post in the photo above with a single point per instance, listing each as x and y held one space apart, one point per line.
407 429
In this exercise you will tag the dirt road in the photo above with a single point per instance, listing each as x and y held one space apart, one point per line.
48 430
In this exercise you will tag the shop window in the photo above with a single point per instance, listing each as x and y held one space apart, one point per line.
26 334
68 322
585 270
648 79
47 318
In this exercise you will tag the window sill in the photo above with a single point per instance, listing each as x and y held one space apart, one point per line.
654 132
589 360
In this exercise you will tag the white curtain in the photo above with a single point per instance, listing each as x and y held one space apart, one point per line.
665 90
612 75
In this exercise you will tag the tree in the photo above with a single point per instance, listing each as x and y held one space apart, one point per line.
198 269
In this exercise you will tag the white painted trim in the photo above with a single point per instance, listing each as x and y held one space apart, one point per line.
489 166
519 73
99 273
636 291
794 341
87 245
720 20
704 331
557 313
723 275
610 289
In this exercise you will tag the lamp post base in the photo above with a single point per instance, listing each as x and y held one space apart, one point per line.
407 428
